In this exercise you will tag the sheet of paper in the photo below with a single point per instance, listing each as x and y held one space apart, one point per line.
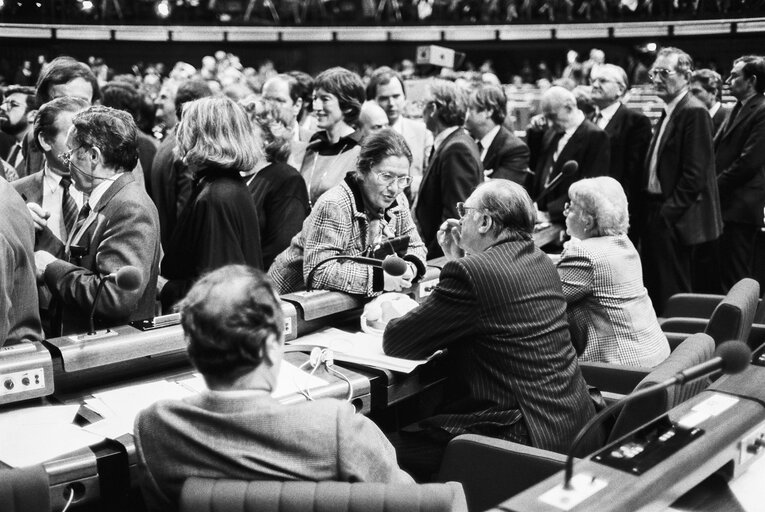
26 434
357 347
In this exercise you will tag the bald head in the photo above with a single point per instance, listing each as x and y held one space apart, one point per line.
559 107
372 118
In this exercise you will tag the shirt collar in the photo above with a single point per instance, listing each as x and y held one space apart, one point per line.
608 112
670 107
579 116
489 137
714 109
441 137
100 190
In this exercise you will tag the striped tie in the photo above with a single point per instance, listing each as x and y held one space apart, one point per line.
68 206
82 217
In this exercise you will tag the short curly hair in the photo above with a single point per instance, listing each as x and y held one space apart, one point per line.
604 201
227 317
112 131
452 101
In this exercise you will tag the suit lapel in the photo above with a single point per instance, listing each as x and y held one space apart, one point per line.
437 152
744 113
671 124
491 153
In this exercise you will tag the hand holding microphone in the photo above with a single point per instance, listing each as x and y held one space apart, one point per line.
397 274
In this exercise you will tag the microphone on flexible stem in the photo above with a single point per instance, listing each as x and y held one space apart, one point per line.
127 278
568 168
730 357
392 265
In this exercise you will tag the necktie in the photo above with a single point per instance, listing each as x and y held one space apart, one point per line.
68 206
480 146
596 118
82 216
733 115
654 186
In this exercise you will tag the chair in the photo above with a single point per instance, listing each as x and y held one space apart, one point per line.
208 495
492 470
732 318
24 489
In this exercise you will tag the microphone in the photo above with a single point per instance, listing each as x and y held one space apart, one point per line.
127 278
393 265
730 357
569 168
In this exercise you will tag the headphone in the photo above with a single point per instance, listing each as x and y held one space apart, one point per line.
323 357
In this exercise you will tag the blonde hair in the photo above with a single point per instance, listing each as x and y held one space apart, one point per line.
215 131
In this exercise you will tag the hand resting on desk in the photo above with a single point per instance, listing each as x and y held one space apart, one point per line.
383 309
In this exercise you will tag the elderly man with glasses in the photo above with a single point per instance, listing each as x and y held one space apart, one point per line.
681 205
117 226
499 309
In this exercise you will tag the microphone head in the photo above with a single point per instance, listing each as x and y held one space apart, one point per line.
569 167
128 278
735 356
394 265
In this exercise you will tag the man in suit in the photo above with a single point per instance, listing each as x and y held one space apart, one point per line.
629 133
740 165
386 87
564 135
706 86
284 91
455 167
116 227
500 311
51 199
504 155
682 205
19 317
17 112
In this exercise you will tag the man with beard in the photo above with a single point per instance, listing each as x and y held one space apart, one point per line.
16 114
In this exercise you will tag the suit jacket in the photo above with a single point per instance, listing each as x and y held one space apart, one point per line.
147 150
740 164
508 157
588 146
31 188
609 312
454 171
122 229
629 133
19 317
685 169
502 315
254 437
719 118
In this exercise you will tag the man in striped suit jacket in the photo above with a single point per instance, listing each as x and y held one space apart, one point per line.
500 311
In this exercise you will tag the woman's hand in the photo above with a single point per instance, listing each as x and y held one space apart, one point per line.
398 283
449 236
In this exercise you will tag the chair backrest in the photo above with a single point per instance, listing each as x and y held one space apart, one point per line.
696 349
207 495
732 319
24 489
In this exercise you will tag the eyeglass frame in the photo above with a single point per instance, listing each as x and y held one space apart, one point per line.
462 209
66 156
401 181
663 73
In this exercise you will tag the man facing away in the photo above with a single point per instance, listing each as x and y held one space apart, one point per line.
500 311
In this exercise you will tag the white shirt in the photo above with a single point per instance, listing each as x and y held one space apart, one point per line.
441 137
52 199
654 186
714 109
579 117
487 140
607 113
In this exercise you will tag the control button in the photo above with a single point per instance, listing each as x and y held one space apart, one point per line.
8 384
25 381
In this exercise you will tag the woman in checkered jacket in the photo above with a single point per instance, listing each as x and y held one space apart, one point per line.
355 218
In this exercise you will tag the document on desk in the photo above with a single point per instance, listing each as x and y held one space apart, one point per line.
359 348
26 434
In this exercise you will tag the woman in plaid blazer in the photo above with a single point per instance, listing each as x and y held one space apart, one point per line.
610 314
355 217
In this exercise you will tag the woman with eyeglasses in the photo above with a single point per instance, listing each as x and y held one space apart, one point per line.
332 151
358 216
610 314
219 223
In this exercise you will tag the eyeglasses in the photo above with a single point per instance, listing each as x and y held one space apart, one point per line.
462 209
662 73
387 179
66 156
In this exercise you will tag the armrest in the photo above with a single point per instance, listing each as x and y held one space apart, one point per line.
694 305
492 470
687 325
675 338
613 378
756 336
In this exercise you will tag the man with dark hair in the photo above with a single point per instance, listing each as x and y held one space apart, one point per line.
740 165
51 199
117 226
500 310
17 113
504 155
304 90
235 429
283 91
386 87
170 178
455 167
706 85
628 130
125 96
682 204
19 317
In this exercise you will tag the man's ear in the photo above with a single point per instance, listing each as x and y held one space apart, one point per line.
486 224
95 155
43 144
272 349
31 114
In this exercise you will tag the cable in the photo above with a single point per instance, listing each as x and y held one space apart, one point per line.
70 500
318 358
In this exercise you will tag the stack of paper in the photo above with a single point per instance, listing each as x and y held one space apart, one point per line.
28 434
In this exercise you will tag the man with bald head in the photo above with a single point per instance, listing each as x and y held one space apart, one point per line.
564 135
500 310
629 131
371 118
